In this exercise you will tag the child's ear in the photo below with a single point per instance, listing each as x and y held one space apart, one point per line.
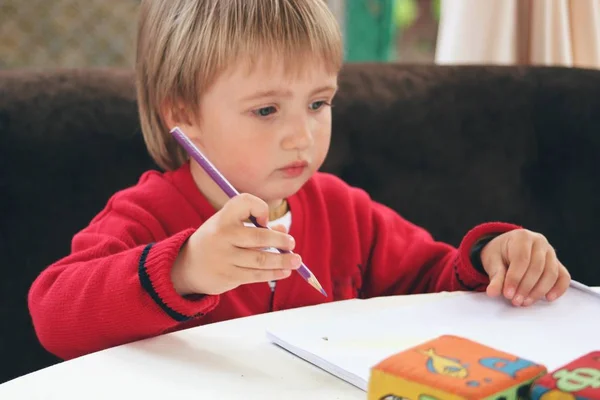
175 114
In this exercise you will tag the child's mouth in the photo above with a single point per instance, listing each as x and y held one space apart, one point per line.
294 169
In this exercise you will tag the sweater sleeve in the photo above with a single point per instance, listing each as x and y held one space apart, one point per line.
404 258
113 288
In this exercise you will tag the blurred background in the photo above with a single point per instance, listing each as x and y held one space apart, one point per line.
67 33
82 33
88 33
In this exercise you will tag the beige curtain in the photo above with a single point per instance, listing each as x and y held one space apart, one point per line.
534 32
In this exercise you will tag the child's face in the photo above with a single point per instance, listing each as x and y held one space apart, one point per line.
267 131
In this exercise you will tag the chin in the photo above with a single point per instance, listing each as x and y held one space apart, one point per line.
282 190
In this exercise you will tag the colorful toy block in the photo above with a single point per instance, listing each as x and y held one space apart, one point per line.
452 368
577 380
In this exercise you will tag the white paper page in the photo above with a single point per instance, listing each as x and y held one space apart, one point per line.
349 345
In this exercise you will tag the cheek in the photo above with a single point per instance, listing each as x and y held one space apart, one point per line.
243 164
322 140
221 142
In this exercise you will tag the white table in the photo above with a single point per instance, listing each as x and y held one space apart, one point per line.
227 360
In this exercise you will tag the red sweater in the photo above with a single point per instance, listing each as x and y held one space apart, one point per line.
115 285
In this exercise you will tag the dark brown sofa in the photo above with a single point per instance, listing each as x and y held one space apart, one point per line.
447 147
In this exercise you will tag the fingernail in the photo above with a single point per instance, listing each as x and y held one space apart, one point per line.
296 261
518 300
292 242
551 296
284 273
510 293
262 221
528 301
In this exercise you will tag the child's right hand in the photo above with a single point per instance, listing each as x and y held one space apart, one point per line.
223 253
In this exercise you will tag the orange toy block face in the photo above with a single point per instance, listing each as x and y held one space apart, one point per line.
578 380
451 367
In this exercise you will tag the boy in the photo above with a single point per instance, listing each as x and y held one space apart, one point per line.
251 83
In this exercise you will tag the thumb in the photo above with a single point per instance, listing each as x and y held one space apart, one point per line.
494 266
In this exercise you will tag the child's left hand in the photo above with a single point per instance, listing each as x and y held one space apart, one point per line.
524 268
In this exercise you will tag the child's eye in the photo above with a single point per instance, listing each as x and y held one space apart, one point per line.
318 104
265 111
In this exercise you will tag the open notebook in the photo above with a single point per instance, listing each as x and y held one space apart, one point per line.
348 344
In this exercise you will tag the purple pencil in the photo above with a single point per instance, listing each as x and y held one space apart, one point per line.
224 184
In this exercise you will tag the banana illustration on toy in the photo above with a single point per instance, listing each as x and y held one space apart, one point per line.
445 365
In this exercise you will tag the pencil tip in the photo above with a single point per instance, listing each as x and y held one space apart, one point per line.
315 283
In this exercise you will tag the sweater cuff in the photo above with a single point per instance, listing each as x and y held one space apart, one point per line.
154 272
466 273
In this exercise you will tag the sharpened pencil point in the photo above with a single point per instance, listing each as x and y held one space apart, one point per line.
315 283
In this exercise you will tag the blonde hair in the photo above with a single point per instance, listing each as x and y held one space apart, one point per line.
183 46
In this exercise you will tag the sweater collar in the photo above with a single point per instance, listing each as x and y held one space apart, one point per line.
184 182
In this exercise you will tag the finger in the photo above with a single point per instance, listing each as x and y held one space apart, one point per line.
282 229
259 238
537 267
496 271
241 207
519 254
265 260
252 275
546 281
279 228
561 285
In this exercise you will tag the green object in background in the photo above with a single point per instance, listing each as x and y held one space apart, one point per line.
405 12
370 30
437 9
373 26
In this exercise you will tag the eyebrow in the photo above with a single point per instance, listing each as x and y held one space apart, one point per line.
286 93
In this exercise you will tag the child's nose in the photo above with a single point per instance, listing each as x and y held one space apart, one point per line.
300 137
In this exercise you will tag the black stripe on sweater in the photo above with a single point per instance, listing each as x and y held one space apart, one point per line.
147 285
